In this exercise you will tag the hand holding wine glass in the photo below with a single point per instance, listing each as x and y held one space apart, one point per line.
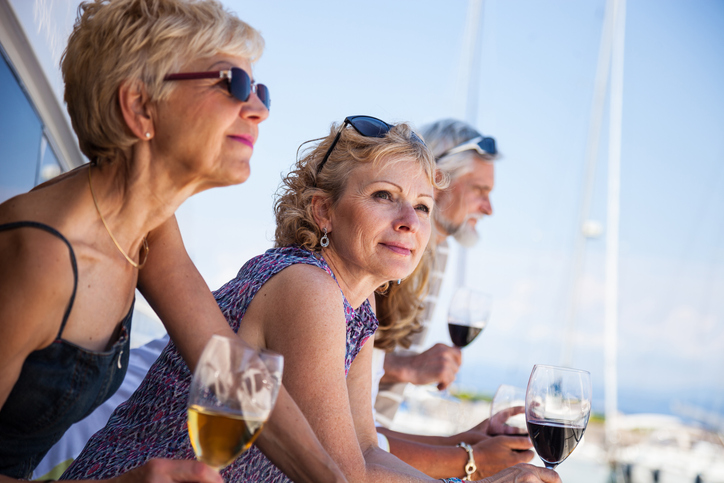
468 315
232 393
557 409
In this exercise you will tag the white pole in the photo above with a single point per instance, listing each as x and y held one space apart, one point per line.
612 235
594 136
475 20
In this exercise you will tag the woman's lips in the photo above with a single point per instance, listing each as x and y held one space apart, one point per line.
398 249
248 140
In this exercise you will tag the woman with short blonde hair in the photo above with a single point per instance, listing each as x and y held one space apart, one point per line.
162 98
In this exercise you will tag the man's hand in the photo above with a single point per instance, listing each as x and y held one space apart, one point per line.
439 364
524 474
500 452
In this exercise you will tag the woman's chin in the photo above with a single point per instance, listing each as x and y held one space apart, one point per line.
237 176
395 275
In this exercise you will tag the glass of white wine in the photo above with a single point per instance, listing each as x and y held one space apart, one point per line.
232 393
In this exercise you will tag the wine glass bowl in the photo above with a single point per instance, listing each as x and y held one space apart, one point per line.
557 409
468 315
507 397
232 393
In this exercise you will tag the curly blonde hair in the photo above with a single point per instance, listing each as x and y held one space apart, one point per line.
114 41
293 207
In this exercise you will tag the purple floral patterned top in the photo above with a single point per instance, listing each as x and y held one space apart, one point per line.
152 422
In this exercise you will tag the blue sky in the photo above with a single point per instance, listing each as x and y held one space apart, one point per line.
404 61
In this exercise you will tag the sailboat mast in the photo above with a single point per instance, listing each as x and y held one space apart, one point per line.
613 224
475 21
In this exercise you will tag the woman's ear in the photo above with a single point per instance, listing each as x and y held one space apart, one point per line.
136 109
322 212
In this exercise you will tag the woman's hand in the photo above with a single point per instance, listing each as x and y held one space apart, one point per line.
497 453
524 474
167 471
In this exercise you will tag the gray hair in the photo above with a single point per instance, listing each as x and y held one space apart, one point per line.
444 135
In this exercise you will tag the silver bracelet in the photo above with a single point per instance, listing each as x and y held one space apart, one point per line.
471 467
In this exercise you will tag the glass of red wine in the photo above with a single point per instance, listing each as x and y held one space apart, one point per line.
468 315
557 408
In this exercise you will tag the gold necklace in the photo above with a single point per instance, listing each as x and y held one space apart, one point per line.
145 243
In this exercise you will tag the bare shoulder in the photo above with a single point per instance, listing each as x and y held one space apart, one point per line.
307 287
35 288
301 301
36 282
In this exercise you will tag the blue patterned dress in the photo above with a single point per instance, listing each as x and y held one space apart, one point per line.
152 422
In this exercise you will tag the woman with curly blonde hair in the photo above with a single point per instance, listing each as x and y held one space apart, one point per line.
354 213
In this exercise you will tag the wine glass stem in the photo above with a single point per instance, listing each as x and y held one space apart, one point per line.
550 466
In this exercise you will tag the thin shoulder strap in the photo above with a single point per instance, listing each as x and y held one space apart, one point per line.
52 231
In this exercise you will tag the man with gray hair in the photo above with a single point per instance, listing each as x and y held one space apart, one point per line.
466 156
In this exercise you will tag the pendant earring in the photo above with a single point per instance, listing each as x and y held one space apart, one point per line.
325 239
399 281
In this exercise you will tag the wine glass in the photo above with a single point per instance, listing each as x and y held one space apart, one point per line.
232 393
468 315
507 397
557 408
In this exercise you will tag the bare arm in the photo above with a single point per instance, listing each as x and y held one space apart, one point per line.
179 295
301 313
491 455
288 433
485 430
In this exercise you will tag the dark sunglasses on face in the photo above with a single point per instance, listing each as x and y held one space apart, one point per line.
483 145
367 126
238 81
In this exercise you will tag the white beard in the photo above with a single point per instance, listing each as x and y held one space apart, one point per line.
464 233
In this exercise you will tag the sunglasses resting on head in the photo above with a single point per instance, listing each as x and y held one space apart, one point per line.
367 126
483 145
239 83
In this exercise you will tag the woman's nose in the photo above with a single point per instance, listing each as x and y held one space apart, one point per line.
407 218
254 110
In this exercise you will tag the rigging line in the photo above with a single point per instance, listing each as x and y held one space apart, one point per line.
693 234
613 222
591 157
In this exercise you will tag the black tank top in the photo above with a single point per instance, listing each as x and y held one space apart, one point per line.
57 387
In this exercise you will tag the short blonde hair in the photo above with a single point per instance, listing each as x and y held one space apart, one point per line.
144 40
293 207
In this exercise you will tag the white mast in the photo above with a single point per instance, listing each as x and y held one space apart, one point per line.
613 212
475 20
